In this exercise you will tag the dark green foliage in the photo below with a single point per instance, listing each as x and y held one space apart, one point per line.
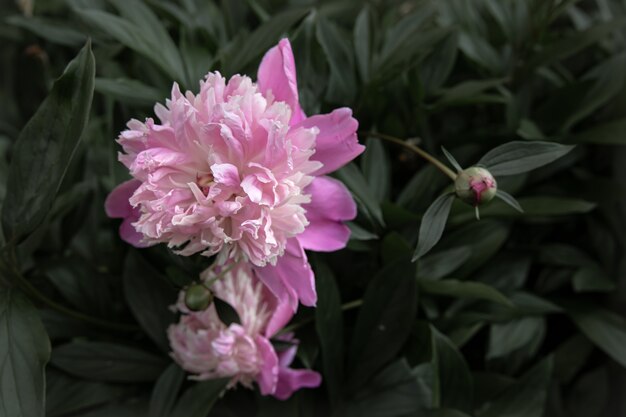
519 314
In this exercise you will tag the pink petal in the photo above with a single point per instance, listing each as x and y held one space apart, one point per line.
116 204
283 312
336 143
291 380
277 73
130 235
292 277
331 203
226 174
268 376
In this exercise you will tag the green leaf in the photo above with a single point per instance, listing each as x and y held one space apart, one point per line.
435 69
199 399
45 148
338 51
259 41
143 34
149 295
433 223
509 199
569 45
592 279
463 289
377 169
329 327
129 91
526 397
384 321
166 390
466 92
107 362
517 157
356 182
453 381
529 130
359 233
611 133
390 393
452 160
24 352
508 337
605 329
441 264
362 43
57 32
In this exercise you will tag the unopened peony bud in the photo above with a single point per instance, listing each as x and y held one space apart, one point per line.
198 297
475 186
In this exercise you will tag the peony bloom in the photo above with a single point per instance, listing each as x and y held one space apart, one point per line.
238 171
205 346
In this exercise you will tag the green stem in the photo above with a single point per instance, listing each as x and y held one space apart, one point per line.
221 274
428 157
29 289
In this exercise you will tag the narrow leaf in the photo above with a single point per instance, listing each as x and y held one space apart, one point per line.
24 351
129 91
377 169
509 199
517 157
45 147
464 289
362 43
433 223
166 390
453 161
198 400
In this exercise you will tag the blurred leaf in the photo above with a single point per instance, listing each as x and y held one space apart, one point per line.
141 31
257 42
359 233
441 264
24 352
357 183
453 386
45 147
199 399
606 330
527 397
129 91
610 133
529 130
463 289
329 326
435 69
166 391
433 223
338 51
108 362
362 43
149 295
508 337
384 321
376 169
569 45
390 393
466 92
592 279
517 157
57 32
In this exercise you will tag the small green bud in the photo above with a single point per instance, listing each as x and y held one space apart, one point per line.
475 186
198 297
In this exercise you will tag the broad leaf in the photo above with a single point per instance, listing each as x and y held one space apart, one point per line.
463 289
329 326
24 351
526 397
166 390
433 223
453 381
384 321
354 180
149 295
199 399
99 361
45 148
517 157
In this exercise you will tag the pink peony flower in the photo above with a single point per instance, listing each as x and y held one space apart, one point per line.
205 346
238 171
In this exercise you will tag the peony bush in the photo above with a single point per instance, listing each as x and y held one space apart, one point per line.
298 208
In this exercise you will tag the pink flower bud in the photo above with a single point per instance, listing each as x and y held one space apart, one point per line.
475 186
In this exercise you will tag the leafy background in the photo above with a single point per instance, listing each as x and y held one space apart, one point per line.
515 315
